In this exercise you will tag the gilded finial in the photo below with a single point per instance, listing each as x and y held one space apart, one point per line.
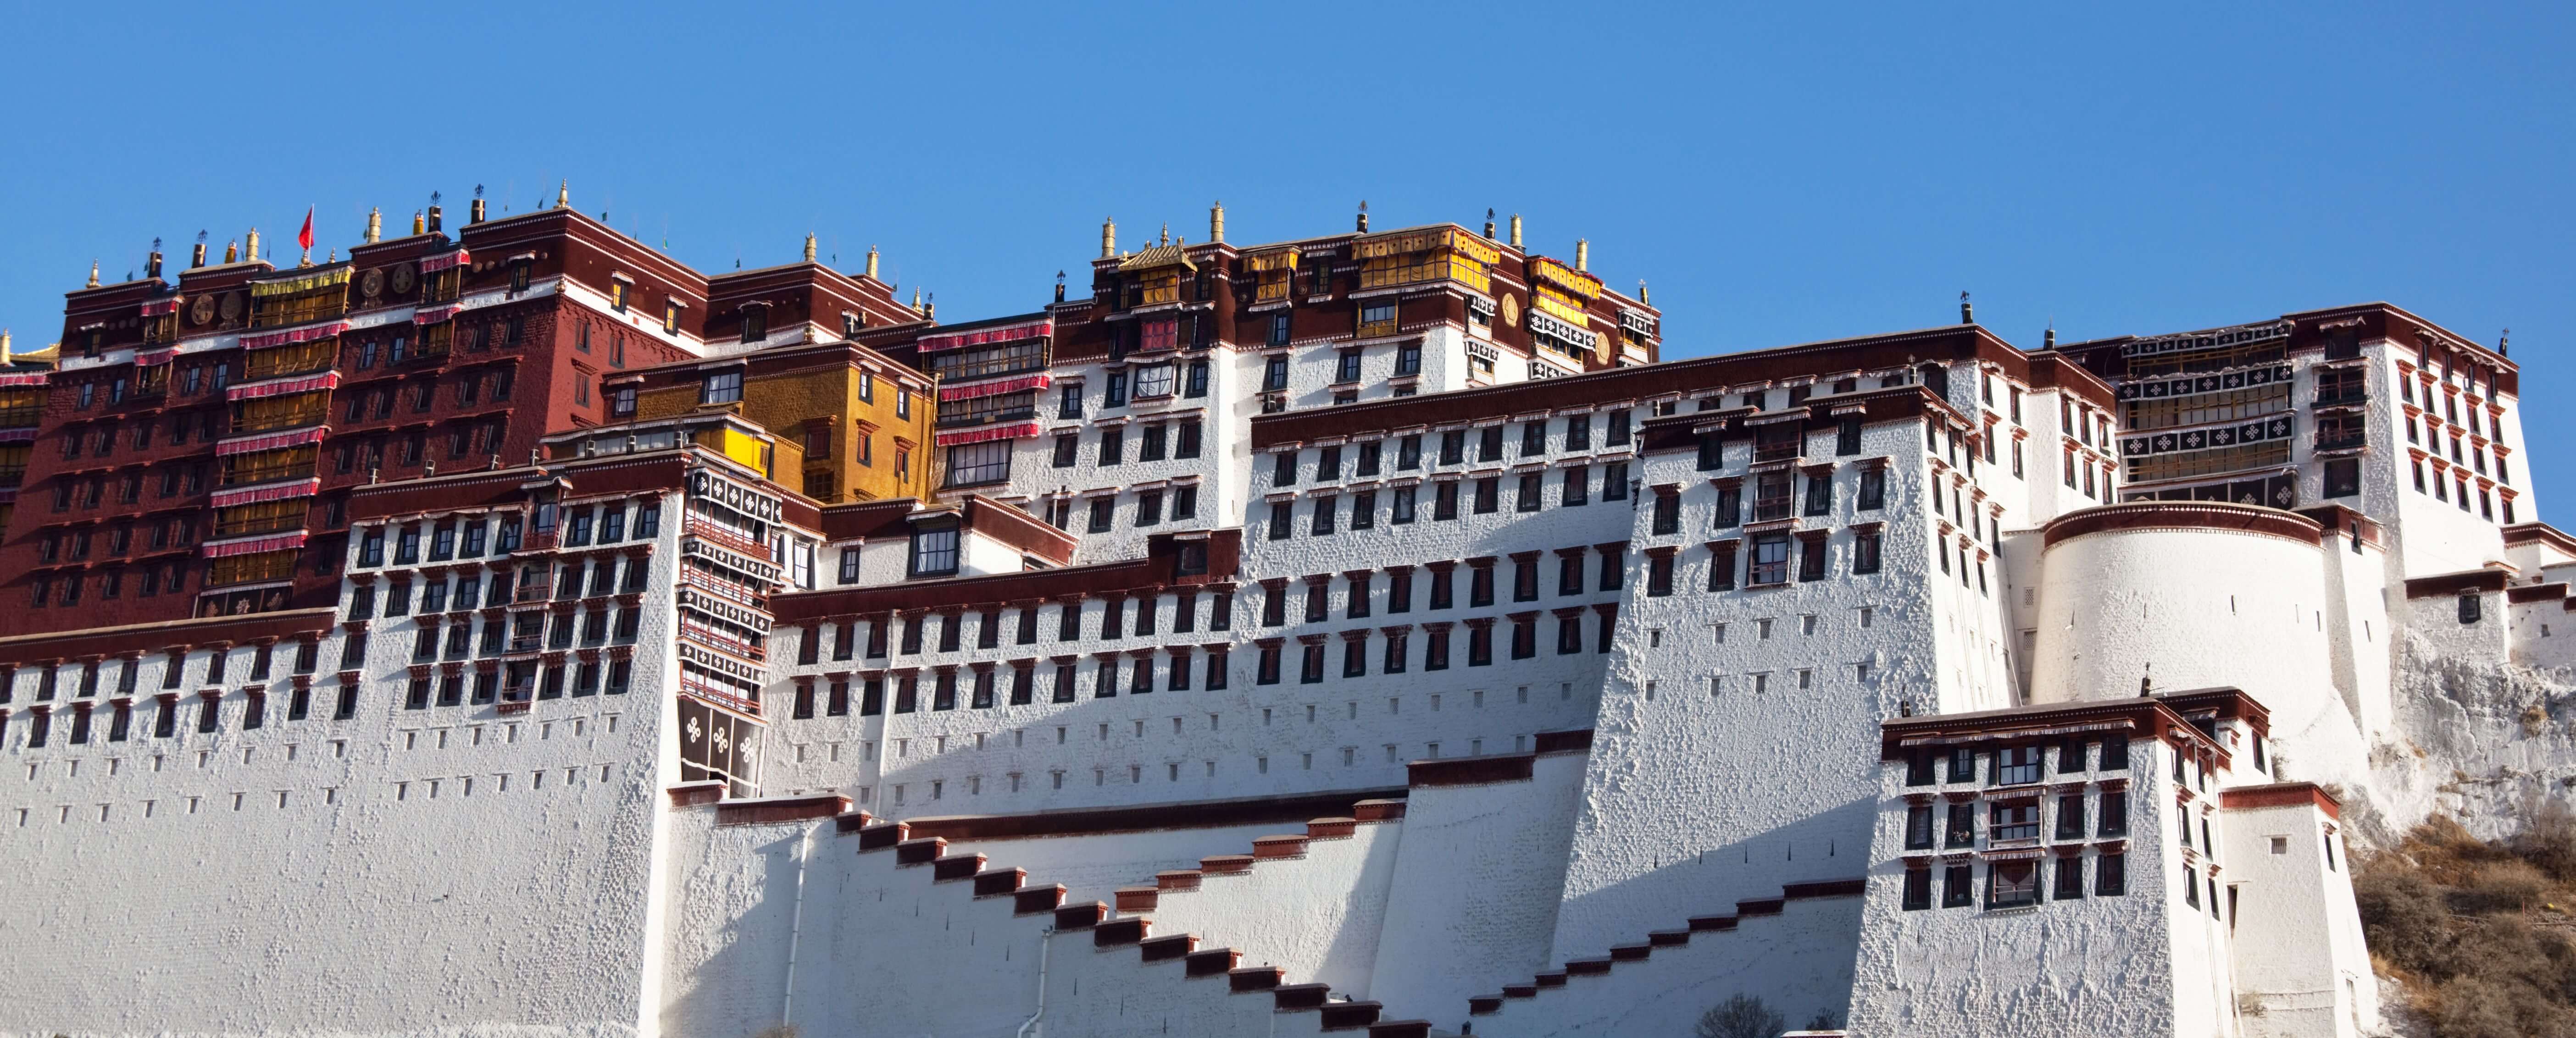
872 261
809 248
563 194
375 224
93 273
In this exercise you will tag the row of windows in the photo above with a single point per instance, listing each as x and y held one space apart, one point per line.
2455 490
1153 442
1575 433
49 592
2015 884
1360 596
2017 820
2476 457
583 525
468 390
529 586
1396 656
2017 765
1326 513
521 680
165 719
1111 621
525 632
173 672
1151 381
981 688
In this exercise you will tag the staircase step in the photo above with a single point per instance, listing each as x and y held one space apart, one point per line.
1211 962
1268 848
1550 980
1135 899
1587 967
882 835
1033 900
1520 991
1631 952
1483 1004
1767 906
1300 996
1226 864
1705 923
1177 879
1400 1029
1377 810
1164 949
1349 1016
999 881
855 821
920 852
1080 917
956 866
1668 938
1255 978
1331 828
1116 932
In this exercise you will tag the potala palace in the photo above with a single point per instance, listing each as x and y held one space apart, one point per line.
508 630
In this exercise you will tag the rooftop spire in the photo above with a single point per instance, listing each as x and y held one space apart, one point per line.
809 248
1516 230
563 194
1489 223
1583 254
1967 312
375 225
1108 238
1167 234
1363 216
872 261
1216 222
93 273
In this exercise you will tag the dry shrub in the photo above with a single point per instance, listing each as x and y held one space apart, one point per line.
2446 913
2548 840
2535 719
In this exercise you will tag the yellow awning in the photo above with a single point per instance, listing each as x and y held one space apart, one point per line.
296 286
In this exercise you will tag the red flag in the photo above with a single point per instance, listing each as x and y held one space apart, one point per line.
304 238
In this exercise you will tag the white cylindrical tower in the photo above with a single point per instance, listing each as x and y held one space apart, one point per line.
2190 595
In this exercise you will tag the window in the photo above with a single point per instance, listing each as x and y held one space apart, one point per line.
2343 477
934 551
2110 875
2018 765
1186 443
1113 446
723 387
1659 572
1069 401
1958 887
1770 563
2115 813
976 464
2012 884
1488 494
1532 492
1156 380
1918 889
2018 821
1811 557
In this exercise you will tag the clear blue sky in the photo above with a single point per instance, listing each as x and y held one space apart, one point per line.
1778 173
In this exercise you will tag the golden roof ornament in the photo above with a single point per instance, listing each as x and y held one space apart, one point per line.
1216 222
1108 238
872 261
563 194
375 225
1516 230
232 251
809 248
93 273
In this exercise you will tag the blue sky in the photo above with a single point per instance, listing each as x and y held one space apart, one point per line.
1778 174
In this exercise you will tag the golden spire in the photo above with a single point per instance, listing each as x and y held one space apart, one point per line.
1516 230
375 225
4 347
1641 292
1108 238
250 246
809 248
419 223
916 298
563 194
93 273
232 251
872 261
1167 234
1216 223
1583 254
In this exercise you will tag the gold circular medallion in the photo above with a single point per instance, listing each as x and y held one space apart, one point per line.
202 311
373 284
1511 310
232 306
402 278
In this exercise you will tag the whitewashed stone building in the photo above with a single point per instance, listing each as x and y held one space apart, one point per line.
1497 678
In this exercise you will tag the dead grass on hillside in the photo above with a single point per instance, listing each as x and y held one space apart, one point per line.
2480 934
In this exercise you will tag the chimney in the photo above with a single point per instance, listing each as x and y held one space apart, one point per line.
1363 216
809 248
2048 339
1583 254
1489 223
1216 223
232 251
1108 238
375 225
474 212
436 214
872 261
1516 230
1059 286
152 263
1967 313
250 246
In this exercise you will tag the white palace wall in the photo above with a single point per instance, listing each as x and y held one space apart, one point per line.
2198 606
